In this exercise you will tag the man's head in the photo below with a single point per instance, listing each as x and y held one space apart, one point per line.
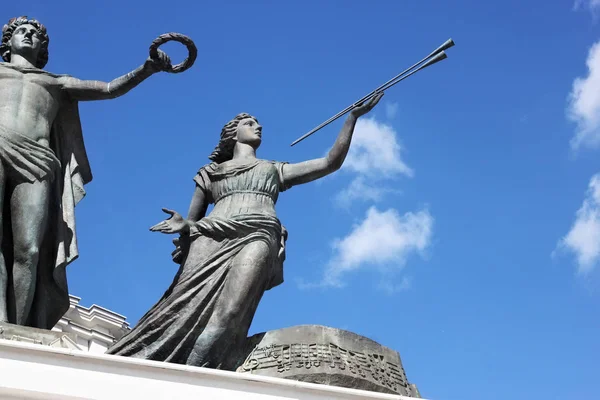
27 38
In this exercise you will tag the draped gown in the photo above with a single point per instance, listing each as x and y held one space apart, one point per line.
244 196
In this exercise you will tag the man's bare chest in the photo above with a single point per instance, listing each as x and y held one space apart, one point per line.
37 86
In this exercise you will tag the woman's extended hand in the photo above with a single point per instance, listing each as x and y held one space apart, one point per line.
367 106
174 224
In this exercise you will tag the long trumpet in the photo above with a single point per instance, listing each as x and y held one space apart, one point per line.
435 56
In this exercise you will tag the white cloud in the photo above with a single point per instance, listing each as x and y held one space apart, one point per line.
584 237
391 110
593 5
362 189
390 288
375 150
383 240
584 102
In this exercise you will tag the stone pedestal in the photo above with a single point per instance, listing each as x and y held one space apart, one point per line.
93 328
33 371
37 336
329 356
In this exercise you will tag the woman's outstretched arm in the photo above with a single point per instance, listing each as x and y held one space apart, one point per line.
196 212
307 171
198 206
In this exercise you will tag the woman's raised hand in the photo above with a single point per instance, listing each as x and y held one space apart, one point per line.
367 106
174 224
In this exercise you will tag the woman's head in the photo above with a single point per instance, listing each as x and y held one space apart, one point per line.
244 128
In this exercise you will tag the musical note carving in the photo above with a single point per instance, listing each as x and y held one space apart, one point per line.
306 356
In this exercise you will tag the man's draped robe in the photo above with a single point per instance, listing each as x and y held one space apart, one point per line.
59 246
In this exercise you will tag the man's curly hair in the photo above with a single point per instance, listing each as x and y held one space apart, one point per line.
224 150
9 29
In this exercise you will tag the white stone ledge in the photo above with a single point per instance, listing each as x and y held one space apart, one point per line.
29 371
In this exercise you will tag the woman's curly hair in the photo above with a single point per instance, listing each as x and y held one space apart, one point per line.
9 29
224 150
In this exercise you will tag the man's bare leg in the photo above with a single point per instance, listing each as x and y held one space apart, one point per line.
3 271
29 215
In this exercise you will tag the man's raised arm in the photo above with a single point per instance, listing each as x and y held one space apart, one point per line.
96 90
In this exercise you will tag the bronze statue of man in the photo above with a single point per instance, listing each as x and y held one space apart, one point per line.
43 169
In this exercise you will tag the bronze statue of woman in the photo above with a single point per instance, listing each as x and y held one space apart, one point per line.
230 257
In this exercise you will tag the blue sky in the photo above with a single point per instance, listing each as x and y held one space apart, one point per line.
464 231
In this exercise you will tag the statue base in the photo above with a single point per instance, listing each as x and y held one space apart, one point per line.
38 336
329 356
34 372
